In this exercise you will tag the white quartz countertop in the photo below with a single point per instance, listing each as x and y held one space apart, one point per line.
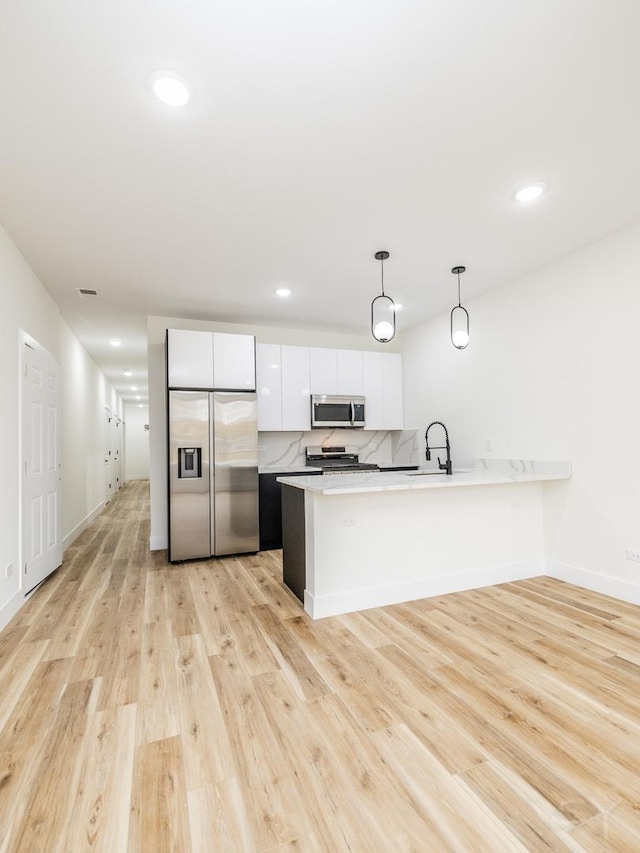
485 472
286 469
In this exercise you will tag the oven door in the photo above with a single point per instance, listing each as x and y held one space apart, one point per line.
336 411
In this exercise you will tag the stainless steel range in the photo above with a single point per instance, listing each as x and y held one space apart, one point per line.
337 460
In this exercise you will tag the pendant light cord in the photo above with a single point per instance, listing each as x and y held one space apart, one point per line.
457 271
382 273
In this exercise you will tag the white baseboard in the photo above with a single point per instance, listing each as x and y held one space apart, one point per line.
131 477
158 543
77 530
615 587
362 599
9 610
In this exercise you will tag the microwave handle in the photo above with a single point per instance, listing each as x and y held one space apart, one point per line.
353 413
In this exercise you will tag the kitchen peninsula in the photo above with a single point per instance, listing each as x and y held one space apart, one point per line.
356 541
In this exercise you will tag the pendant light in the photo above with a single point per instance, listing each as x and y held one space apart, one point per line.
459 318
383 309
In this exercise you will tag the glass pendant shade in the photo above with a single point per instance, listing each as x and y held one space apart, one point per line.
383 319
459 327
383 309
459 318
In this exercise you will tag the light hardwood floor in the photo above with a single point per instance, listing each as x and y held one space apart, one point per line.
148 707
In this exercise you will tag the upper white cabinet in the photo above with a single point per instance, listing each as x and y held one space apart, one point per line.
392 390
288 375
189 359
335 371
323 370
269 386
210 360
296 391
234 362
373 391
382 373
350 371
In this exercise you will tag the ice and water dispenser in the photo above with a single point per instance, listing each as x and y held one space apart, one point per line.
189 463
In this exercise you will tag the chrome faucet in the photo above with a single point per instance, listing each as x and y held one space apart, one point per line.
444 466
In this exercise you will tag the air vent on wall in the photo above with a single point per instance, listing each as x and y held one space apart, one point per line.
87 293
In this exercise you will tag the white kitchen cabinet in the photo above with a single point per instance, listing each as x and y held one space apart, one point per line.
350 376
288 375
392 390
189 359
296 400
373 390
269 386
323 370
335 371
210 360
382 381
234 362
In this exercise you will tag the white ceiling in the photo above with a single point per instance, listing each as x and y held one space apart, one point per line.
319 132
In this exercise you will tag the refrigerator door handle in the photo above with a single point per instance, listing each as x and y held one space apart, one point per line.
212 472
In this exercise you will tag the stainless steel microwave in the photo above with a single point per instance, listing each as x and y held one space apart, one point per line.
337 410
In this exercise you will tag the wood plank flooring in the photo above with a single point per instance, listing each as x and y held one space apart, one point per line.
149 707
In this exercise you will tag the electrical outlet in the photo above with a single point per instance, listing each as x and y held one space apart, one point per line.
8 571
348 522
633 554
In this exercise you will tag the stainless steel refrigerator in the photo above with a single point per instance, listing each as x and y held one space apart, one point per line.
213 474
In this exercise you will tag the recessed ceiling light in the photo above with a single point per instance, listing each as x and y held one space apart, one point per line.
115 343
397 306
128 372
138 397
170 88
284 292
531 191
134 387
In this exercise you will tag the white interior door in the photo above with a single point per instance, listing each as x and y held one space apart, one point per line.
42 546
108 456
118 454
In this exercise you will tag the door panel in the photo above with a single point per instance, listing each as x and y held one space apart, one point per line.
41 469
189 512
235 473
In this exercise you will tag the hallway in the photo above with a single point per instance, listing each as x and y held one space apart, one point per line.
145 707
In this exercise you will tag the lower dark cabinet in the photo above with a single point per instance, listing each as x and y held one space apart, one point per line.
270 512
294 559
270 497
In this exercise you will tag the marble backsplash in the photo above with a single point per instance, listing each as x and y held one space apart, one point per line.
383 447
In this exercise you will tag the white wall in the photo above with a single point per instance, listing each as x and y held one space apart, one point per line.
136 417
552 372
156 330
86 395
27 306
